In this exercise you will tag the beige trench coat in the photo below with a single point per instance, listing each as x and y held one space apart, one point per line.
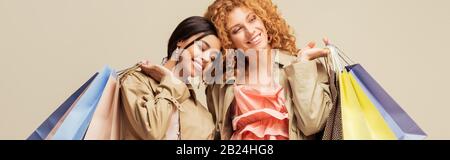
310 98
148 106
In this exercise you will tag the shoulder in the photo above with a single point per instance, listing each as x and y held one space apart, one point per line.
133 78
286 58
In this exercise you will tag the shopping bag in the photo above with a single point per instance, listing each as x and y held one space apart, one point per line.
370 95
360 118
49 124
77 121
399 121
106 119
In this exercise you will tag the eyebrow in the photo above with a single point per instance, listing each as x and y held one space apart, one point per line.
234 26
197 39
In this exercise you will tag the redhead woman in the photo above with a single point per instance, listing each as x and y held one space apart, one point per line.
293 103
157 102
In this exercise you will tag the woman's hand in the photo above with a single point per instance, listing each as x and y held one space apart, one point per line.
157 72
310 53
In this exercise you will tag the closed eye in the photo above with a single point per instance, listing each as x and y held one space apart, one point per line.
236 30
203 45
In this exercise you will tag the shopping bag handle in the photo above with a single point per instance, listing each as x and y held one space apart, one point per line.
338 58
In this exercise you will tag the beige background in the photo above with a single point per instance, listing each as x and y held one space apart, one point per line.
48 48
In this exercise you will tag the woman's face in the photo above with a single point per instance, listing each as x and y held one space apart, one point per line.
200 54
246 30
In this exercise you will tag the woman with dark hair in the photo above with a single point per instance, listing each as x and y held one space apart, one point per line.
157 103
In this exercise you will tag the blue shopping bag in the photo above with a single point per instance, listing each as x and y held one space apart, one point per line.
77 121
398 120
44 129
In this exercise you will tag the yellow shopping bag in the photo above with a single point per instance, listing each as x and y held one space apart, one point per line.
360 118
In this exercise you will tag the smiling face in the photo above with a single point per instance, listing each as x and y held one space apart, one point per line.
227 13
247 30
198 53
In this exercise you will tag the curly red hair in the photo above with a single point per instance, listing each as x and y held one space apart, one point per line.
281 35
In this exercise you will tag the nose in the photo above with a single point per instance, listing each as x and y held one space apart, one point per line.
250 31
208 58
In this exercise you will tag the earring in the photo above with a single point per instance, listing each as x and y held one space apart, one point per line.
176 54
164 61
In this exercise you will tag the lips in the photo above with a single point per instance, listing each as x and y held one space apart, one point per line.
255 40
